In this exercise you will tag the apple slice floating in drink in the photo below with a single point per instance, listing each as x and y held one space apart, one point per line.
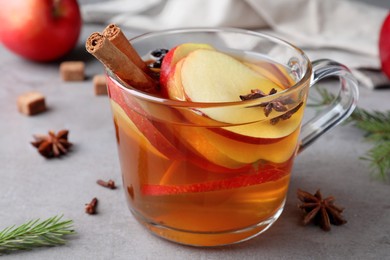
217 185
140 124
212 76
168 68
206 75
157 138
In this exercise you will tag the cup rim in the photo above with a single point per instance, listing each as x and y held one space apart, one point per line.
155 99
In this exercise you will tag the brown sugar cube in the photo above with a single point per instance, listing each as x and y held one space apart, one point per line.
99 84
31 103
72 70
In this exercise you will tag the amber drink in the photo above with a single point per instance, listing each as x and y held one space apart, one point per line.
213 173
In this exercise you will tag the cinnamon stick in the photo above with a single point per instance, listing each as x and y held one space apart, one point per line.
115 60
116 37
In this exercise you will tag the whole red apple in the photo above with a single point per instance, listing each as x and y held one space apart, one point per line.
40 30
384 46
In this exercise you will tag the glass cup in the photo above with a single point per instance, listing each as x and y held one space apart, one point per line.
217 173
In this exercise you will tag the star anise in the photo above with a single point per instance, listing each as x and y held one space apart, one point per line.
52 145
287 115
279 105
257 93
320 211
276 105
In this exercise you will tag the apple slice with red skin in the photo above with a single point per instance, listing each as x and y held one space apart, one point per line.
174 90
123 122
210 76
157 133
207 157
168 66
142 123
244 138
240 181
268 134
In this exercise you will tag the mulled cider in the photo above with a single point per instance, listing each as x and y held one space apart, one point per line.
208 131
208 161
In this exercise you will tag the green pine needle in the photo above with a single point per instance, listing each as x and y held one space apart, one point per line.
379 158
376 126
35 233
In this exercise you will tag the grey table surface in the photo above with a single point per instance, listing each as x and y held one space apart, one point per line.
33 187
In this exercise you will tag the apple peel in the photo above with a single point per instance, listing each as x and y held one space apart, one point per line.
124 122
212 186
140 122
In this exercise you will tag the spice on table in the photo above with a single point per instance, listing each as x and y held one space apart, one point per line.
72 70
320 211
31 103
108 184
90 208
52 145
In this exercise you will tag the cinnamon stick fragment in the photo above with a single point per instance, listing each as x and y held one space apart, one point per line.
115 60
116 37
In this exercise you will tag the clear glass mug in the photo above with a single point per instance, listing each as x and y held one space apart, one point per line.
208 174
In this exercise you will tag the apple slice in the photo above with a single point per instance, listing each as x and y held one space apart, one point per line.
174 88
212 76
174 55
125 123
158 136
234 154
263 132
140 123
218 185
196 140
247 153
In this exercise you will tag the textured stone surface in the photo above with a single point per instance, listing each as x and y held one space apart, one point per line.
33 187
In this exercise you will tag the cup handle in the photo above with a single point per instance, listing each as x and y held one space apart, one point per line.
341 108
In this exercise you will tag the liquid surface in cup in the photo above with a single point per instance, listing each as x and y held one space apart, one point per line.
186 170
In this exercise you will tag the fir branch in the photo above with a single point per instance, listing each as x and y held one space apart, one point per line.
379 158
35 233
376 126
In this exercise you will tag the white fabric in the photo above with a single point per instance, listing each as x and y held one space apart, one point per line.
343 30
